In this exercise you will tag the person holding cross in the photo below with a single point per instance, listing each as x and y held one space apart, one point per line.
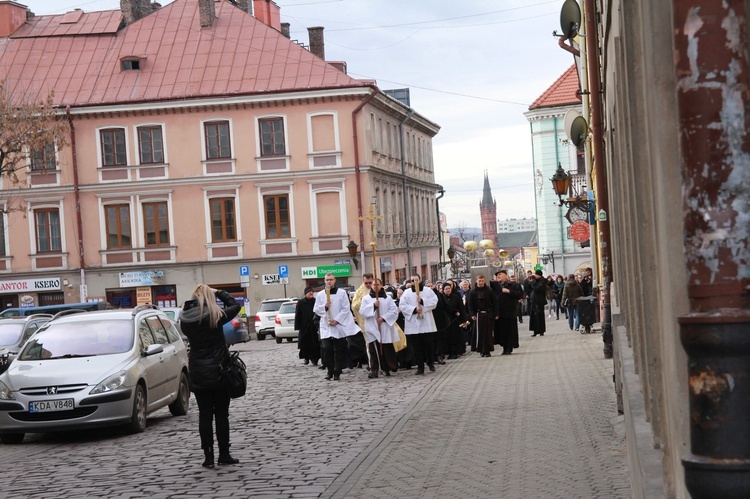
380 313
336 324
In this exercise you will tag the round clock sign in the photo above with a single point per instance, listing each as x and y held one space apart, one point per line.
579 231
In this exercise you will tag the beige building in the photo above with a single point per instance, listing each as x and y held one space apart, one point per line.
205 146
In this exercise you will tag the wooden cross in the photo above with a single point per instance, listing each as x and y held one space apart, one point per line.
373 236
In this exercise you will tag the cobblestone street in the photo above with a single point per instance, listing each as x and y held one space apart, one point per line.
539 423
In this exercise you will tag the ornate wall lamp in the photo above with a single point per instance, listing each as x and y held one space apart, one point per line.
561 185
352 247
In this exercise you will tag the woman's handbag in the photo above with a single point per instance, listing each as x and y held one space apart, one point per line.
235 376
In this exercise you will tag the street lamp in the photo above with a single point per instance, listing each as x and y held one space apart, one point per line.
561 185
451 254
547 257
352 247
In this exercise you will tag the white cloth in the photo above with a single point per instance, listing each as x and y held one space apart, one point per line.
340 312
408 306
386 333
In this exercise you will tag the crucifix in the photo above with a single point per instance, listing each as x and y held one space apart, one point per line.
372 217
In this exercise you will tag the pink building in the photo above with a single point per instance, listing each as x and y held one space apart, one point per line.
205 146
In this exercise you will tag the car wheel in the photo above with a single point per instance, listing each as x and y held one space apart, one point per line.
180 406
289 340
261 336
11 438
278 340
138 422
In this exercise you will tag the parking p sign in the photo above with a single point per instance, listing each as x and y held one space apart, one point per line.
283 271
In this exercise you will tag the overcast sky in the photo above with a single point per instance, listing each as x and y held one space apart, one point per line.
473 67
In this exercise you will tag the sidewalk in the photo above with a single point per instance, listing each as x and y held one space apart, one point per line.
541 422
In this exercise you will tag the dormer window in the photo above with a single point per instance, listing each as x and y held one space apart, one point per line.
131 63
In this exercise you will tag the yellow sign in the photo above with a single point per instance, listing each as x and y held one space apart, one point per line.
143 295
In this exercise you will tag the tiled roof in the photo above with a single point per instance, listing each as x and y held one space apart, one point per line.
560 93
80 61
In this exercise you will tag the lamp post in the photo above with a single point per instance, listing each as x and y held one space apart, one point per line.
548 257
451 254
561 185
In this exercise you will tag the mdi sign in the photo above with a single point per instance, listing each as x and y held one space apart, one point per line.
26 285
320 272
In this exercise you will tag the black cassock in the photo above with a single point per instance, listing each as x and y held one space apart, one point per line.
306 322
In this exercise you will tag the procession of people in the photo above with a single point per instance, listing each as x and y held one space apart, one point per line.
397 327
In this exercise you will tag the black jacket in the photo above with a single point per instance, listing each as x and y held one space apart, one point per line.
208 348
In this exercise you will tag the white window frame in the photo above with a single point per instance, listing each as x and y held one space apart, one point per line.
311 154
286 156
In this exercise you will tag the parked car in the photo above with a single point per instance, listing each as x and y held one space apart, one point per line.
14 331
284 320
234 331
265 318
95 369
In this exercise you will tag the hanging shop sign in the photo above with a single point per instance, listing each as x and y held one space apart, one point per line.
580 232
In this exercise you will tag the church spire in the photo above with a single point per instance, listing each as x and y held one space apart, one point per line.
487 192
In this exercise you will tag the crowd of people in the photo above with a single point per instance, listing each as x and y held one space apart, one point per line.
419 324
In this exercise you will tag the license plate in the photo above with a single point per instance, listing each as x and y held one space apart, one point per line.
51 405
290 322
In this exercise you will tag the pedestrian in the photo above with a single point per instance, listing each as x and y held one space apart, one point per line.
440 313
483 311
520 300
306 321
458 317
405 356
417 304
571 292
537 301
506 327
336 324
380 314
202 321
587 282
357 344
551 305
559 285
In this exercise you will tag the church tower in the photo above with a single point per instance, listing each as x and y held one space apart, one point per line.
488 211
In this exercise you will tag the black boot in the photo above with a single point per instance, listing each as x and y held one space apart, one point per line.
209 461
225 457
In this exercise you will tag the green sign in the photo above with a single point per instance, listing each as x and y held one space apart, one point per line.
320 272
538 266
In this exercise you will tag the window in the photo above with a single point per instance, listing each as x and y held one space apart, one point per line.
160 333
48 238
43 158
130 64
118 226
156 221
144 333
150 144
217 140
272 137
113 147
277 216
222 220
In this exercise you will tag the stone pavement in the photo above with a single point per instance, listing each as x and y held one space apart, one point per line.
539 423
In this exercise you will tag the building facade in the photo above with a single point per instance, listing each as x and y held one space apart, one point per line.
551 148
197 155
516 225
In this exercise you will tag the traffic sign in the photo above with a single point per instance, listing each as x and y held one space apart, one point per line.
244 270
283 280
283 271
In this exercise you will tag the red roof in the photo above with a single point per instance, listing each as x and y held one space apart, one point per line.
79 57
561 93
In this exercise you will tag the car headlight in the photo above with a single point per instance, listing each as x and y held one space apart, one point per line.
112 383
5 393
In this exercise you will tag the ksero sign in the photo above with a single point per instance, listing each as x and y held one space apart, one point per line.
30 285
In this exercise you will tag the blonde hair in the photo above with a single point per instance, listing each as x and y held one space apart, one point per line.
207 298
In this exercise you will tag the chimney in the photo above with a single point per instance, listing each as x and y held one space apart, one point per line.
285 30
268 13
133 10
244 5
317 45
12 17
207 11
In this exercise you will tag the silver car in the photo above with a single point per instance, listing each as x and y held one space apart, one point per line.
285 322
95 369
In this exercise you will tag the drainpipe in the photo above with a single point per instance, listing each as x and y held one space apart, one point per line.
357 174
406 197
77 192
441 193
712 70
600 170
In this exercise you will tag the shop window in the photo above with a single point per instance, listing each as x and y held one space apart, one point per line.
165 296
51 299
121 298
